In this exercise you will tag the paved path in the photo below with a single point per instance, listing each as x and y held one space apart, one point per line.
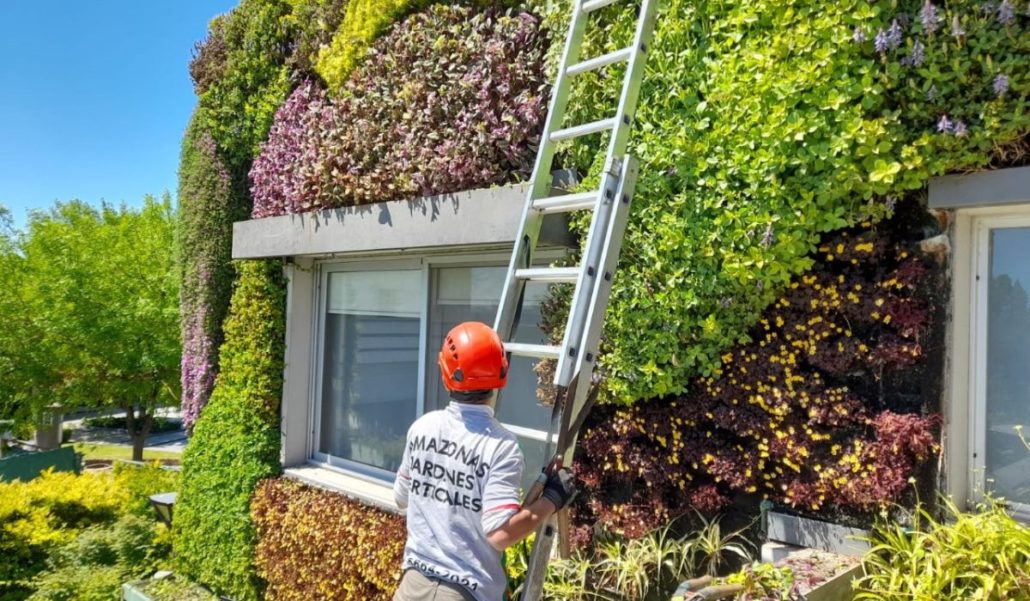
173 441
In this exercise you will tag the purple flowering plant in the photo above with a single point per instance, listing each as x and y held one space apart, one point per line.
450 99
947 103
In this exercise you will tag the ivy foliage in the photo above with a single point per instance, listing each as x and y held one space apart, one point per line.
764 124
314 544
208 205
235 443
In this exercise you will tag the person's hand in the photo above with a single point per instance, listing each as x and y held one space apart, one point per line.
560 488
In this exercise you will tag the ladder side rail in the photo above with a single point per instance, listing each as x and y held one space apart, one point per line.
617 145
615 229
540 180
588 272
626 113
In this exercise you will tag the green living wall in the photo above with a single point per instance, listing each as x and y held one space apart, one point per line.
764 124
235 442
763 128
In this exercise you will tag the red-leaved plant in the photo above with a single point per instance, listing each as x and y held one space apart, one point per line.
802 414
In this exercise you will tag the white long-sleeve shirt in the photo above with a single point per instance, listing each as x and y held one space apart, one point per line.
459 480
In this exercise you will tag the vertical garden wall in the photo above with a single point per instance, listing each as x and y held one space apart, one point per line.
772 332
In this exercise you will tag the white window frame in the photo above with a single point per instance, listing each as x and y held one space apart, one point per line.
982 226
425 263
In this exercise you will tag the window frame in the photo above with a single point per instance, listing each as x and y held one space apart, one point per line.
982 227
425 263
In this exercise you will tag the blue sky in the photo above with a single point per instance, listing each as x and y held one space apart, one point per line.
94 97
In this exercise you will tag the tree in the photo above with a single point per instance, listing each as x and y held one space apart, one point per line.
92 298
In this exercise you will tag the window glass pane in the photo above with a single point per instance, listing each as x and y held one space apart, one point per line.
1008 359
471 294
533 453
370 369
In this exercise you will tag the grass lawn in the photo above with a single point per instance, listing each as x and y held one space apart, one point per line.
91 450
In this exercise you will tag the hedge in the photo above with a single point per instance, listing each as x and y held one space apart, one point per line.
450 99
763 125
313 544
235 443
829 407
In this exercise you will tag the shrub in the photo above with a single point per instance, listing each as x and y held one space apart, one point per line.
235 442
60 526
648 567
140 482
763 125
448 100
821 409
316 544
208 205
38 516
96 563
80 583
979 555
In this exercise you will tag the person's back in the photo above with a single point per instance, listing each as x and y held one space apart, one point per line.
459 480
462 472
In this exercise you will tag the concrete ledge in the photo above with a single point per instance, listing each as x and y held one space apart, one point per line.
982 189
464 219
379 495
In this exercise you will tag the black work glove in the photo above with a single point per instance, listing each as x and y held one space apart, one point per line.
560 488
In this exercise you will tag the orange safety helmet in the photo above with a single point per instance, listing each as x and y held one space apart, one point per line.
472 358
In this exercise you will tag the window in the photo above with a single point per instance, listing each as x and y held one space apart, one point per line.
381 325
1000 378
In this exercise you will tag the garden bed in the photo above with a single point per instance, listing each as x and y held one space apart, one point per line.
810 575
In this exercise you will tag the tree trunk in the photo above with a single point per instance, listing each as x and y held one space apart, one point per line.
138 427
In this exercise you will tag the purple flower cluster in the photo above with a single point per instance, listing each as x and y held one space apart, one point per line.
1001 84
917 56
1006 13
450 99
890 39
198 373
956 128
858 35
929 17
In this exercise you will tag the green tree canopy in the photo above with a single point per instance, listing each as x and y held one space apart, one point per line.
90 303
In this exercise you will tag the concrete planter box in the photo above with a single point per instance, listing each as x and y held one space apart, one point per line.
815 534
131 593
838 588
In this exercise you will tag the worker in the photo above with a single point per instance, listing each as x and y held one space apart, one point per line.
459 480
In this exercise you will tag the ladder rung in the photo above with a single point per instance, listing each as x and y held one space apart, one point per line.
600 61
553 275
542 351
582 130
567 202
592 5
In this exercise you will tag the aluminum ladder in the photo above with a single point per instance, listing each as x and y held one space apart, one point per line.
592 279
